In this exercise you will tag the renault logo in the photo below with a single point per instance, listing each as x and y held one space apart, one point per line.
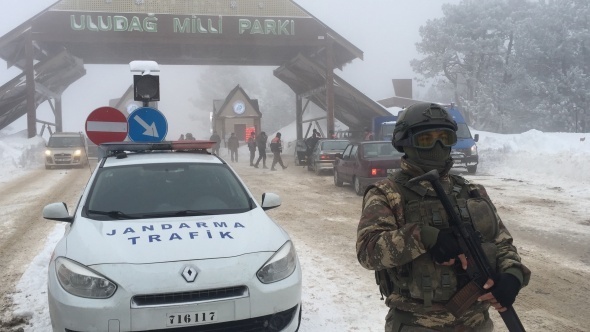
189 273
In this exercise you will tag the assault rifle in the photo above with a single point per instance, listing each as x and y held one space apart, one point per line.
478 266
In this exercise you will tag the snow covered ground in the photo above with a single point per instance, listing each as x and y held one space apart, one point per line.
552 159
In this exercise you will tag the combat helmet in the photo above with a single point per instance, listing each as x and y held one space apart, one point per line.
418 117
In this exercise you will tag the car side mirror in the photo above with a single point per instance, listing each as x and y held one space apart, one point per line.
270 201
338 155
476 138
57 211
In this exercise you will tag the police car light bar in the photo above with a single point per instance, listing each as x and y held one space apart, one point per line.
111 149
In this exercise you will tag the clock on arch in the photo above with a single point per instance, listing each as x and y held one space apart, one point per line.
239 107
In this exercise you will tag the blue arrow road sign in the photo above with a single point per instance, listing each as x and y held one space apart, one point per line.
147 124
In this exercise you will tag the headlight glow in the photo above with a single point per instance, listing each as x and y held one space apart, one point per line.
474 149
77 152
279 266
80 281
48 152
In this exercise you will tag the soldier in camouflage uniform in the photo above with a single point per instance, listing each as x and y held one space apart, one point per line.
404 235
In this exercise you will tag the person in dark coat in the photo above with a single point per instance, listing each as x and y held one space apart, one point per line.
252 147
261 141
233 144
310 143
316 133
215 138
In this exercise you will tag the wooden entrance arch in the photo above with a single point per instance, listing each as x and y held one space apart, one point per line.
179 32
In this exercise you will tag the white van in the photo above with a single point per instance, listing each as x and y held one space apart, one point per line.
66 149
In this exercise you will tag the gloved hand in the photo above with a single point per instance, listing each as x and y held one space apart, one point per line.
506 287
446 247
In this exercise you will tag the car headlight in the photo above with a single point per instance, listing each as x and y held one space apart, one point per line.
48 152
77 152
80 281
474 150
279 266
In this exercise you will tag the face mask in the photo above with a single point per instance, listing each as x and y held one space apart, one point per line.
437 157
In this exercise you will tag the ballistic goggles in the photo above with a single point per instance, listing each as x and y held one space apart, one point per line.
426 139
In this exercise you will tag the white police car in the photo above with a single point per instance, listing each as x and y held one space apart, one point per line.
166 237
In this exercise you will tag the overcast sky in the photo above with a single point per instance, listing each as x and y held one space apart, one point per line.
385 30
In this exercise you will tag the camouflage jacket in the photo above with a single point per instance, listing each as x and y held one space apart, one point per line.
386 240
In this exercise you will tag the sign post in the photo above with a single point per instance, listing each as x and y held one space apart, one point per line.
147 124
106 124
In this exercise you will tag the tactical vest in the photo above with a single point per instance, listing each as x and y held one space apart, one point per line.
422 278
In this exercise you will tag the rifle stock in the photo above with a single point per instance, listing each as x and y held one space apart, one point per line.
478 267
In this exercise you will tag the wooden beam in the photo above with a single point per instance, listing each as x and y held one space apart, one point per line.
30 74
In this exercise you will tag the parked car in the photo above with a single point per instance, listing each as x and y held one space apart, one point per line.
364 163
323 155
167 236
66 149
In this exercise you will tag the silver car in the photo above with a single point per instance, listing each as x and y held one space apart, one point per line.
324 153
66 149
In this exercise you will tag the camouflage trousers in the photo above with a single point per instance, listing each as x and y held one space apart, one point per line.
403 321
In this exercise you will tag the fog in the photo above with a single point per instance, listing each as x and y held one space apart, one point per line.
384 30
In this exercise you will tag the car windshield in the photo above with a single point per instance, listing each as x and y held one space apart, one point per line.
387 130
378 150
463 131
165 190
334 145
64 142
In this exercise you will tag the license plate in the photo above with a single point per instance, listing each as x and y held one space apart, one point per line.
61 159
191 318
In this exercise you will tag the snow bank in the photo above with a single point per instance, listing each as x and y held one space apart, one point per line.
17 152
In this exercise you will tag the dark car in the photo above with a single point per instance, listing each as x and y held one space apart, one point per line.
324 153
364 163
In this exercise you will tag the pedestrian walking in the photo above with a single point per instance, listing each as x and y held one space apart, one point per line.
276 146
215 138
233 144
252 147
261 141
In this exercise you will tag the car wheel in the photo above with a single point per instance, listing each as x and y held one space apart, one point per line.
472 169
357 186
337 181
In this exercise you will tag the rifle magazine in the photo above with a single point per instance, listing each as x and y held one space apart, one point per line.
464 298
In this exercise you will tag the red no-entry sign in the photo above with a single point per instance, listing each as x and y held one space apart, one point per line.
106 124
